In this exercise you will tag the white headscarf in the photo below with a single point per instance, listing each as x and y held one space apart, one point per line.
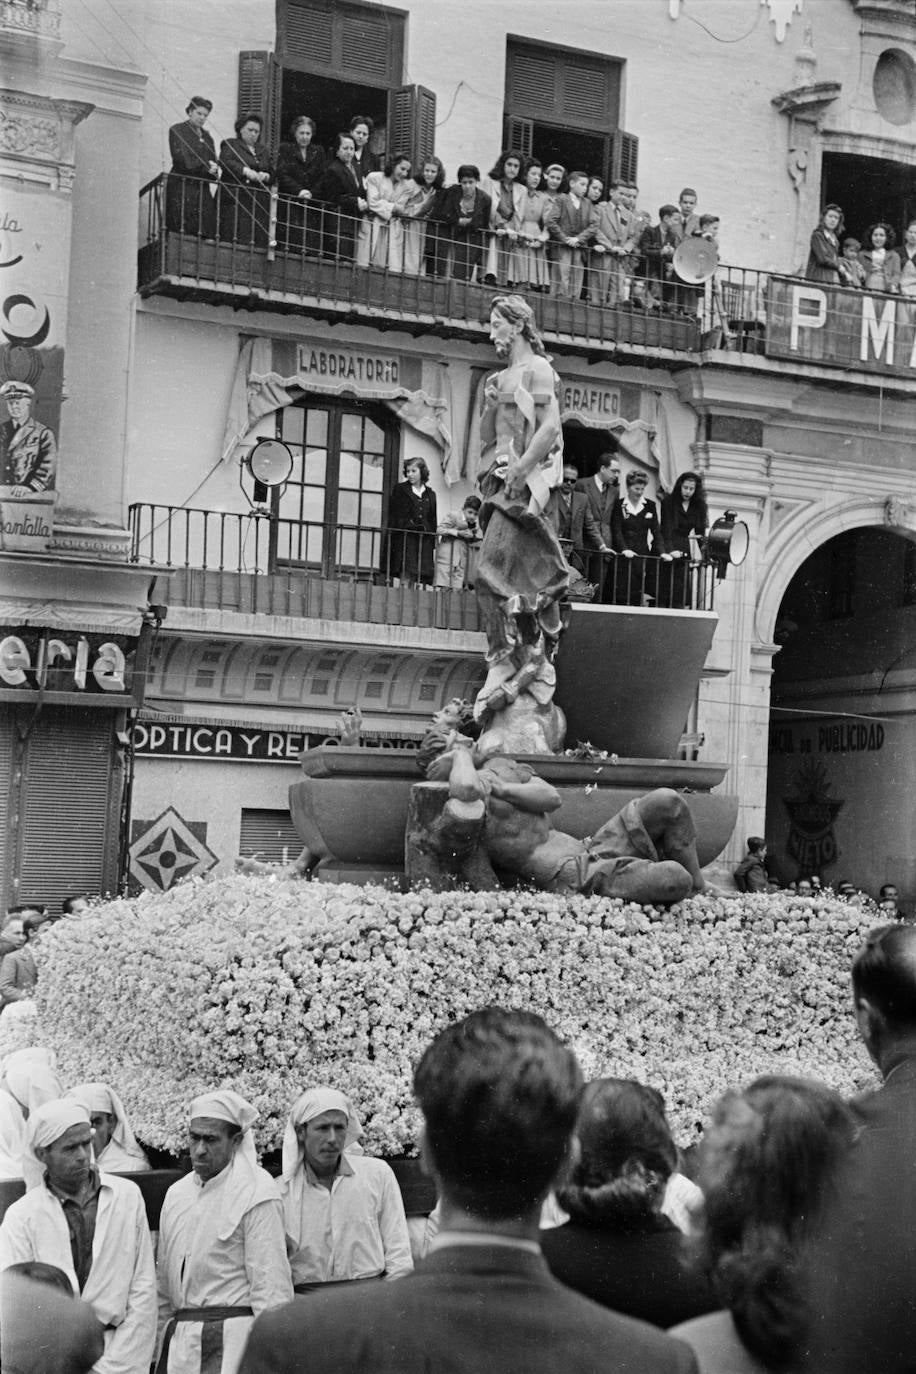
248 1184
29 1076
311 1104
45 1125
305 1108
98 1097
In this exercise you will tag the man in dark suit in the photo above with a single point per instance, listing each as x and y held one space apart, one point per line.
656 254
576 527
602 491
499 1093
862 1265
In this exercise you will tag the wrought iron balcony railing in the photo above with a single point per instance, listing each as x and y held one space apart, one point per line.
261 564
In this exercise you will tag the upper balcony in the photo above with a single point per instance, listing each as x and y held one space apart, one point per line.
271 260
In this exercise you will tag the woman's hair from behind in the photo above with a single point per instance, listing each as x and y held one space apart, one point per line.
627 1154
768 1165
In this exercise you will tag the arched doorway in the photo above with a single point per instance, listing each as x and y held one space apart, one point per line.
842 746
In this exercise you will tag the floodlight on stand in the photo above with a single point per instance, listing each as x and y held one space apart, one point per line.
269 465
727 543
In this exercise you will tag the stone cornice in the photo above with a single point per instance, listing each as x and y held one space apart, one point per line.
37 138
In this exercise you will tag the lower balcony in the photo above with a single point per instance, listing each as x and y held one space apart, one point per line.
257 564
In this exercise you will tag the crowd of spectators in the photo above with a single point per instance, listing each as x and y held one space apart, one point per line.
565 1229
622 547
871 263
522 224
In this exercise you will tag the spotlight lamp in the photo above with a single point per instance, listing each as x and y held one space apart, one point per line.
270 462
727 543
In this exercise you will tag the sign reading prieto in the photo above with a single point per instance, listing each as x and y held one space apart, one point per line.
833 327
66 661
238 744
591 403
339 367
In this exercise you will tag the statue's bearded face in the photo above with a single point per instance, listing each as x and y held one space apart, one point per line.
502 334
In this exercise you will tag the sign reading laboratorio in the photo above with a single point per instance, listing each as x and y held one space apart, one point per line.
837 327
592 403
339 367
64 661
239 744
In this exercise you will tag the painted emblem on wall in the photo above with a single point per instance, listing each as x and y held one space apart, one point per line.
812 812
168 849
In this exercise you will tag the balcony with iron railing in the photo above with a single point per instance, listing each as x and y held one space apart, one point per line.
270 253
259 564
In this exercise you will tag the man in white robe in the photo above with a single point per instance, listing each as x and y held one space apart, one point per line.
113 1142
222 1250
92 1226
343 1211
27 1081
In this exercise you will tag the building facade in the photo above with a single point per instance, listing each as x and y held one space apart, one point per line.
178 351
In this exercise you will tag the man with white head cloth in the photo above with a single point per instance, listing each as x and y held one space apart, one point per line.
113 1142
27 1080
222 1250
93 1227
343 1211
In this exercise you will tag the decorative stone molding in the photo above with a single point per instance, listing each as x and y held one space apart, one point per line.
97 541
30 27
898 512
37 137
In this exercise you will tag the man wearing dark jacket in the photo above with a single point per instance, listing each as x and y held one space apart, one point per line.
861 1267
751 873
576 527
499 1094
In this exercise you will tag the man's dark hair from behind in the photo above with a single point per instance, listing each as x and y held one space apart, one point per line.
30 925
755 843
499 1093
884 974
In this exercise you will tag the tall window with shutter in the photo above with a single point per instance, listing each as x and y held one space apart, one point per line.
335 60
563 105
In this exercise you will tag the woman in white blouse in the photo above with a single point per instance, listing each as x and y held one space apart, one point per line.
388 194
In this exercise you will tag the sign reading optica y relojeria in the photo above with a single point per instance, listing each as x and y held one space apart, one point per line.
153 739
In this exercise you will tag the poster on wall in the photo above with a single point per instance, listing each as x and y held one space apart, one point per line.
34 271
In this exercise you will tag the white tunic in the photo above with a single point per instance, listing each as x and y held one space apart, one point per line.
357 1230
121 1287
198 1269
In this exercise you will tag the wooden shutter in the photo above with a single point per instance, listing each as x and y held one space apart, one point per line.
260 76
70 802
307 32
584 95
269 834
347 42
412 123
624 157
253 78
518 135
531 83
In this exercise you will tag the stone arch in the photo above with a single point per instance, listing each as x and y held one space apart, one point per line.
806 530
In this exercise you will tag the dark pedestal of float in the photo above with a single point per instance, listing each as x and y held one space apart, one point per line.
627 679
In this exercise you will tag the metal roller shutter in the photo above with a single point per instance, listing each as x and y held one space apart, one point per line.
270 835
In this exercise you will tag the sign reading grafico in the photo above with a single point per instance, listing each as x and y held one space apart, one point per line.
591 403
64 661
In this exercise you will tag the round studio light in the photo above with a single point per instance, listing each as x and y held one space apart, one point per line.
270 462
727 542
